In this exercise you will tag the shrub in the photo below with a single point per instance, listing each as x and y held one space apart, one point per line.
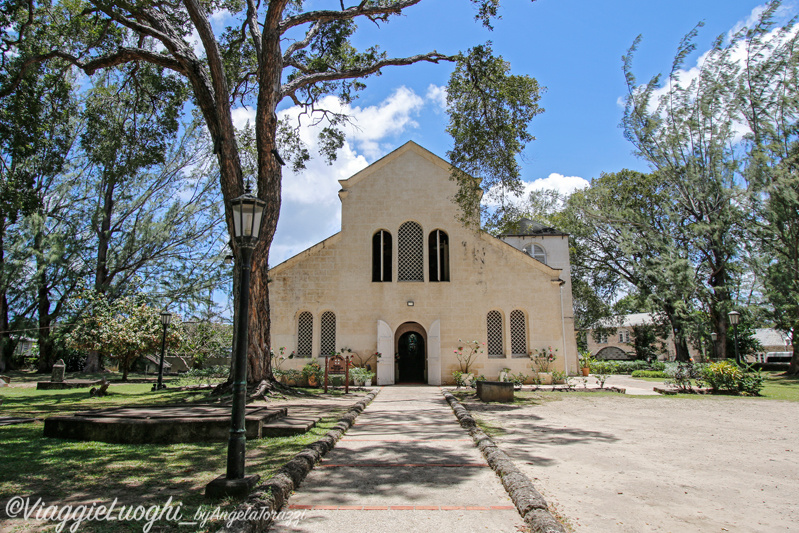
726 376
723 376
648 374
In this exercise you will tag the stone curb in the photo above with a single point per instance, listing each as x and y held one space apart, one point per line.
257 512
529 502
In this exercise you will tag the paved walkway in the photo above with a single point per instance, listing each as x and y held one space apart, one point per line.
405 466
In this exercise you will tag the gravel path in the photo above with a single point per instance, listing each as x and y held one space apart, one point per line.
658 464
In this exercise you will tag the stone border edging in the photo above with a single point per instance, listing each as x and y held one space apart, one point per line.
529 502
257 511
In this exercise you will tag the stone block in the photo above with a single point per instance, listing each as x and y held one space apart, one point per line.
495 391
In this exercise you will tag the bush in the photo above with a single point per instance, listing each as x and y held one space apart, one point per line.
622 367
649 374
722 376
728 377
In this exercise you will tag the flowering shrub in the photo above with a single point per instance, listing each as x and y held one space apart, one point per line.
467 353
542 359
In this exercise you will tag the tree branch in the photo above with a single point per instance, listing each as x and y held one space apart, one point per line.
309 79
356 11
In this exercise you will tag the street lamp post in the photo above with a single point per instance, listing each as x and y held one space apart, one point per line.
714 337
166 318
247 213
735 317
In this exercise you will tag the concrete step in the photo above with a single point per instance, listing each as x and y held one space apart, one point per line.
287 426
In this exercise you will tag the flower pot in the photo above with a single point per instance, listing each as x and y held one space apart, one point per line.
586 371
545 378
368 382
503 376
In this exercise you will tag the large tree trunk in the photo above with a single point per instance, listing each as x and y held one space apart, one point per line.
6 344
46 348
793 368
101 280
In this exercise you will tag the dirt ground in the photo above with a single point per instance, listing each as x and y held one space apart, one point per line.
626 464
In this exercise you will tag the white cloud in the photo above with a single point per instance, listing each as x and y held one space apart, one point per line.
310 209
437 95
565 185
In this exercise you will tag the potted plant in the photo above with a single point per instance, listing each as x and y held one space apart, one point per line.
585 362
362 376
542 361
312 372
504 374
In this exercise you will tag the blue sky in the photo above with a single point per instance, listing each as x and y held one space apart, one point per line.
572 47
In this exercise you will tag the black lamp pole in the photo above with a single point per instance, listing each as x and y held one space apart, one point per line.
735 317
166 318
247 214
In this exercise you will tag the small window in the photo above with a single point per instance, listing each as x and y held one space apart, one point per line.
624 336
327 344
438 255
603 339
536 252
494 331
410 252
381 256
518 334
304 334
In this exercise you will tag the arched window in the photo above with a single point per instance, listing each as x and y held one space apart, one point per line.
494 333
536 252
438 254
381 256
304 334
327 344
518 334
410 252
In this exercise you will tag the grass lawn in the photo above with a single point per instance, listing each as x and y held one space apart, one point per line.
65 472
776 386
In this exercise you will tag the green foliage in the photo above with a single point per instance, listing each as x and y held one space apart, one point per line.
725 376
649 374
313 369
202 340
123 329
490 113
361 375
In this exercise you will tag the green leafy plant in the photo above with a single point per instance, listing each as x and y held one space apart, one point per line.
586 359
361 375
558 376
312 369
649 374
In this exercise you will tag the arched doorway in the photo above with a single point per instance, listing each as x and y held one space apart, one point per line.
411 352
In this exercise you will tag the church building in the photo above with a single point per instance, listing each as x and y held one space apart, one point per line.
404 278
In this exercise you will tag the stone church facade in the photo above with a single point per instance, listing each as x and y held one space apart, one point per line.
404 278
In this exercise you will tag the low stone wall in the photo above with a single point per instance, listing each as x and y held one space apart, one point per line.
529 502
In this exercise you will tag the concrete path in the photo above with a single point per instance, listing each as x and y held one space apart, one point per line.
405 466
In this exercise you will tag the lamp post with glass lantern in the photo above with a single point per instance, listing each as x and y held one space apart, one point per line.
714 337
166 318
247 213
735 317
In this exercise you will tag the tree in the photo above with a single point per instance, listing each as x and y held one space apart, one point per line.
156 212
768 95
268 53
622 229
685 129
123 329
37 129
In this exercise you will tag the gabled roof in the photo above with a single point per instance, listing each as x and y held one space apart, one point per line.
409 146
